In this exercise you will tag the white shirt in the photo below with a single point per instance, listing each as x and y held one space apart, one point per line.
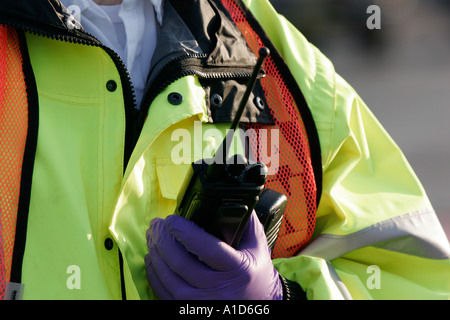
130 29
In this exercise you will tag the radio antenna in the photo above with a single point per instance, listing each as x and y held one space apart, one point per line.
263 53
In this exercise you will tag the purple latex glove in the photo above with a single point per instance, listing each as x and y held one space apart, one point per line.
186 262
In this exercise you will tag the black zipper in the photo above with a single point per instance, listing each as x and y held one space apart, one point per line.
131 113
185 65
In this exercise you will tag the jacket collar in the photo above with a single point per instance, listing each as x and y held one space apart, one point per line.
48 14
205 20
85 4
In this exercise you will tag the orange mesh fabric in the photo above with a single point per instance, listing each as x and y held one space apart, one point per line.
295 176
13 132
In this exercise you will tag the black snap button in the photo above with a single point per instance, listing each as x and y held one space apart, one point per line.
111 85
109 244
216 100
175 98
259 103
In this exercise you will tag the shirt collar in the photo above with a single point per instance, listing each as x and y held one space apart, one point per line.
158 5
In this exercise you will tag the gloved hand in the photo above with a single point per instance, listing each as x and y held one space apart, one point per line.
186 262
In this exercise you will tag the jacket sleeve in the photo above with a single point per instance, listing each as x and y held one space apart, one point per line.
376 236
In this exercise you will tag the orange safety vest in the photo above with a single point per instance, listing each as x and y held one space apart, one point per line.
299 174
13 135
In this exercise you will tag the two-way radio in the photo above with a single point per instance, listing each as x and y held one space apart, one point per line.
223 192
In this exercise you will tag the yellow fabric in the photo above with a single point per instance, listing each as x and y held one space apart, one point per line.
71 200
154 181
366 180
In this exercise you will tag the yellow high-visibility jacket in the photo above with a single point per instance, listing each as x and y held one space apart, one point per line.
92 178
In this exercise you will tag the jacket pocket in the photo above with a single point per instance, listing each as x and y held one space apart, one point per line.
172 180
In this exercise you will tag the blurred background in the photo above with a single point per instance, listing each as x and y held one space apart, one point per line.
402 72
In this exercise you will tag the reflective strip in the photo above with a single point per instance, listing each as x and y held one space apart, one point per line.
14 291
339 283
417 233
